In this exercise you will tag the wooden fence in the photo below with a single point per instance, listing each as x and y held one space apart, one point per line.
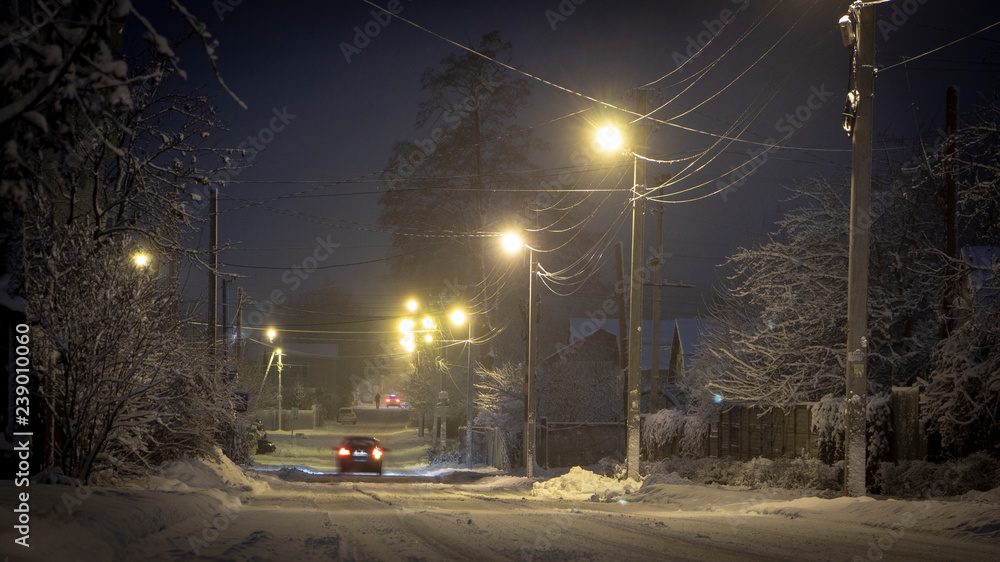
741 432
747 432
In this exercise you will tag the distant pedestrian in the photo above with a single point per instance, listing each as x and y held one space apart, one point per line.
378 400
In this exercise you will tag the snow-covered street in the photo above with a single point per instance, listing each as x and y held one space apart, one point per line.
578 515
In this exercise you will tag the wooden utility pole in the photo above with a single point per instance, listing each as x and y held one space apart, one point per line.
213 267
622 330
654 366
635 293
950 197
862 20
622 311
530 399
239 327
225 320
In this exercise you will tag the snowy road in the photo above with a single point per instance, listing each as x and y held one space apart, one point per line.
215 510
499 519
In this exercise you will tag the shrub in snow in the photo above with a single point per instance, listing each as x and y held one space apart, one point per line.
612 467
793 473
827 416
879 418
674 427
662 428
921 479
444 455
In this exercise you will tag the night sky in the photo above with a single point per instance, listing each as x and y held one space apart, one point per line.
340 117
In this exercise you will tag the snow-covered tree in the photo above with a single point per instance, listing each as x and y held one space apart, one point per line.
782 314
98 158
62 75
963 389
124 383
963 393
500 402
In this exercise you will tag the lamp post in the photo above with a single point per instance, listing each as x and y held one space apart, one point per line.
277 351
409 342
271 334
512 243
458 318
610 139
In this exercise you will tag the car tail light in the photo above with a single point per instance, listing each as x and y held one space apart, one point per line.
387 400
344 452
377 453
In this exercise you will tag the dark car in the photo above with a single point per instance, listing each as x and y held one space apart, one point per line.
360 454
392 401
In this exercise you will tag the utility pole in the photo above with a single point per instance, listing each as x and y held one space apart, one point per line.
858 31
950 203
225 321
622 331
239 326
529 391
213 266
654 367
635 293
469 384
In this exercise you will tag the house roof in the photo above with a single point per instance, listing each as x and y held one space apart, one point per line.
690 330
580 328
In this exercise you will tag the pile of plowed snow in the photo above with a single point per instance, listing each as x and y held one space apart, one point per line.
580 484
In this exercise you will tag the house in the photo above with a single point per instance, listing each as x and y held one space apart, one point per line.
581 381
312 366
680 334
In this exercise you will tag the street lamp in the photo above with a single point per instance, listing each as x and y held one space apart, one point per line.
458 317
276 352
428 327
512 243
610 139
140 259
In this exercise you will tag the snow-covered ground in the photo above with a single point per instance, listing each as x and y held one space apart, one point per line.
208 507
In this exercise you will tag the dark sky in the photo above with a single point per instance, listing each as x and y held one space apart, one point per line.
775 59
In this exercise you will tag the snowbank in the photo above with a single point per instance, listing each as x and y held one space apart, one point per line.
98 523
580 484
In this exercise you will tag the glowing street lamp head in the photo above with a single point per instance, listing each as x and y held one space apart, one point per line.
428 338
408 344
458 317
406 326
511 242
412 305
270 335
141 259
428 323
609 138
